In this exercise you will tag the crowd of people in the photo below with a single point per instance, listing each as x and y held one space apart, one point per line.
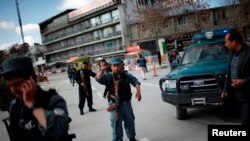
37 114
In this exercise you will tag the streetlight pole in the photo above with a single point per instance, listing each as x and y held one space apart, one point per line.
19 20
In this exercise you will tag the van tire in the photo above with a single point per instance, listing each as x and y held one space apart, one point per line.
181 113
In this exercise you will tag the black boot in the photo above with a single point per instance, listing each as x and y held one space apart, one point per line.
81 112
133 139
92 109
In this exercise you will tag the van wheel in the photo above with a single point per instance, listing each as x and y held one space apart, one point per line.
181 113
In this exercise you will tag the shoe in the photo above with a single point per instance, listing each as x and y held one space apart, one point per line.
81 112
144 79
133 139
92 109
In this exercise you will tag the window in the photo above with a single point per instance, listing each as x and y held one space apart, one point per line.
69 30
115 15
105 18
97 35
118 28
167 23
95 21
107 32
181 20
63 44
142 28
79 40
76 28
98 48
85 25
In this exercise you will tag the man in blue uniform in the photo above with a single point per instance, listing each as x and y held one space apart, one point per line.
35 114
118 83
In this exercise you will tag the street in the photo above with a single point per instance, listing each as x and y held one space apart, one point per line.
154 119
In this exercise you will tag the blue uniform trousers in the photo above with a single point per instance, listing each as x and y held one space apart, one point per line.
126 116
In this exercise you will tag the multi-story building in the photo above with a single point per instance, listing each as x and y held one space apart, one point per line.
178 29
107 27
96 29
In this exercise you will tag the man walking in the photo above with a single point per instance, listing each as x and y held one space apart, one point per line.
118 83
142 65
238 79
85 91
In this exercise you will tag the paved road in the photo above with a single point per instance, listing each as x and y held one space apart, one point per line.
155 119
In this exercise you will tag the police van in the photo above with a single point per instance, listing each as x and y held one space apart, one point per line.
199 78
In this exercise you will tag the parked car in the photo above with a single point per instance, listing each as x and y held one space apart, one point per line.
199 78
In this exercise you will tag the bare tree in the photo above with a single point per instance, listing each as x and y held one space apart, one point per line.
245 9
3 55
199 10
13 50
19 49
238 14
151 17
24 49
155 18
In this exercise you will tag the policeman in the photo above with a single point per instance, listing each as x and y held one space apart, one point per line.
35 114
118 83
85 91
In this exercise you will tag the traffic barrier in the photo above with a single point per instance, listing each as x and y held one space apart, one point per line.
45 78
154 70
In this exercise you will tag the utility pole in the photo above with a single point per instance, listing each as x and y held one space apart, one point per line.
19 20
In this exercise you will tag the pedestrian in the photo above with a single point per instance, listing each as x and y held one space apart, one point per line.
238 77
174 59
159 57
85 91
73 75
69 73
35 114
141 61
119 98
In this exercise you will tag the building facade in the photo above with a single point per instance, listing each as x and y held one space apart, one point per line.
106 28
177 30
97 29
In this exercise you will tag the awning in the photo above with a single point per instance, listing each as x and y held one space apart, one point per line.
133 48
52 64
98 59
71 59
135 52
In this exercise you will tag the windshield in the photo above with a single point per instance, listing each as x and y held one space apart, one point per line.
207 52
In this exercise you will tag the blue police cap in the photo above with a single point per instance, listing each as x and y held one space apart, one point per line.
116 61
17 64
